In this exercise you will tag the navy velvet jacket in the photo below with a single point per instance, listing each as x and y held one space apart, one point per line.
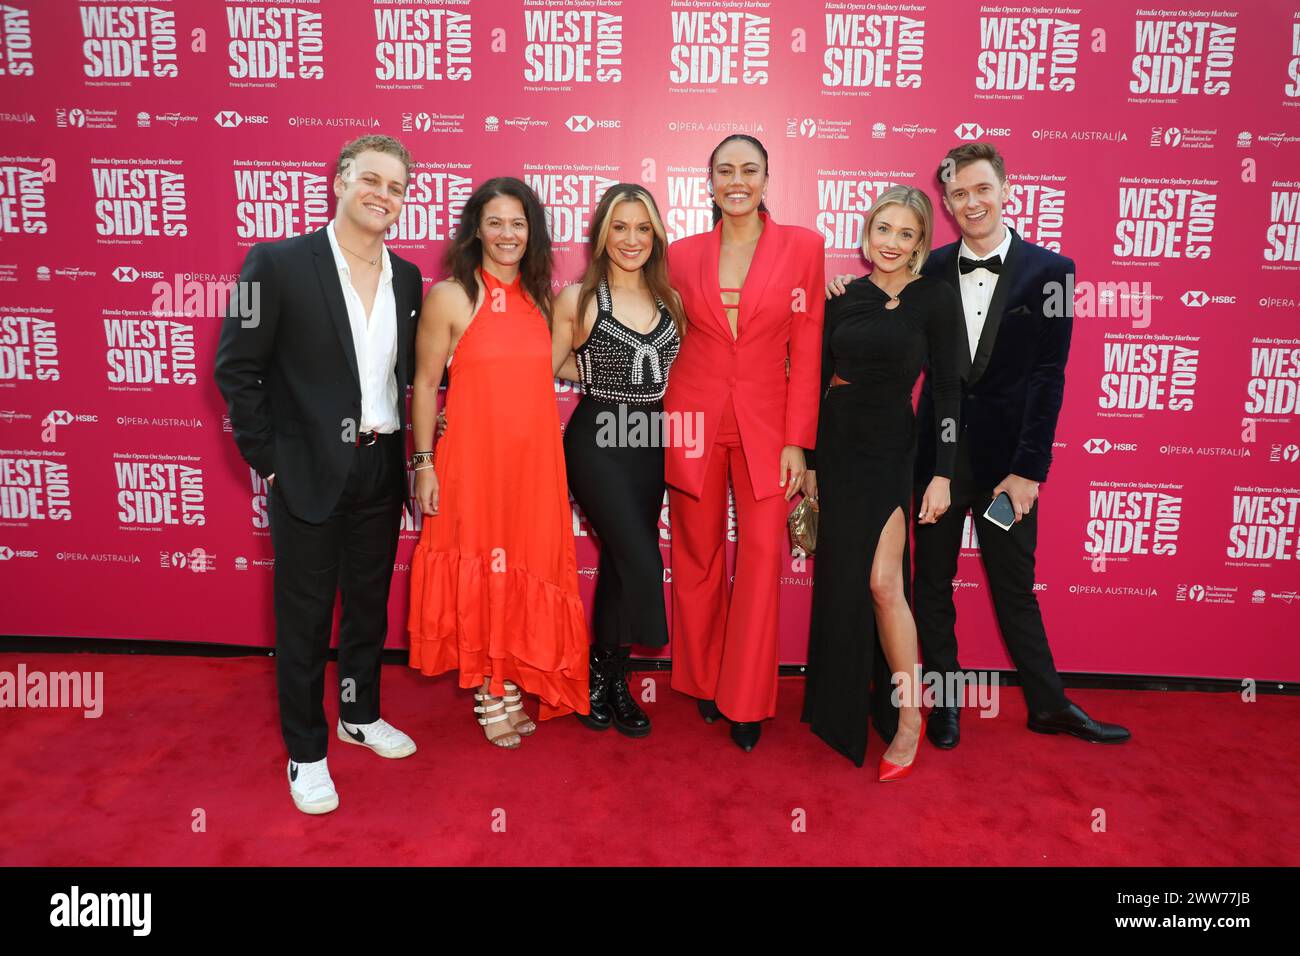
1012 391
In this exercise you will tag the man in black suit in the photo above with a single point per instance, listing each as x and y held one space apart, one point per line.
315 382
1013 378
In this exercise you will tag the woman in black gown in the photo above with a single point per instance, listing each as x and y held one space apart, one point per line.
878 337
618 332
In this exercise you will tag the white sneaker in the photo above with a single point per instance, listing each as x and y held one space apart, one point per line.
311 787
380 736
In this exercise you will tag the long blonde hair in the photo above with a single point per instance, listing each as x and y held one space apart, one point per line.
909 197
656 266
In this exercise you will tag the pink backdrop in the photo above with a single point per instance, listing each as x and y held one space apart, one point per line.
146 147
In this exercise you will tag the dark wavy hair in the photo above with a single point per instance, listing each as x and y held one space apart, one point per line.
465 254
717 210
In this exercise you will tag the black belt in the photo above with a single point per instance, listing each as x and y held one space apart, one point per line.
369 438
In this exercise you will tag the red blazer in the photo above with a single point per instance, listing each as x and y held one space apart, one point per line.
771 410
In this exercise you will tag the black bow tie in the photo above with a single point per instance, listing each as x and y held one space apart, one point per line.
992 263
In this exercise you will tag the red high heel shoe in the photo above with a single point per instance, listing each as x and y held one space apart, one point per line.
892 771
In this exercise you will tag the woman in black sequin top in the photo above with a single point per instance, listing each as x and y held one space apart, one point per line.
617 332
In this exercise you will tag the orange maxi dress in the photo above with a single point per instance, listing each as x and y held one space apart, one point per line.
494 578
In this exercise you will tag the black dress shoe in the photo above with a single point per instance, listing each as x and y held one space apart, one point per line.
708 710
1074 721
943 729
746 734
629 719
600 717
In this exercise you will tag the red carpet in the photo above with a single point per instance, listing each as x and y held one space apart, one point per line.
1207 780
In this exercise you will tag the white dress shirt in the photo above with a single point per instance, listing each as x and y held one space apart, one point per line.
374 337
977 290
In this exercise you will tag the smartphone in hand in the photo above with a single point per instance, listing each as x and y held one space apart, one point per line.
1000 512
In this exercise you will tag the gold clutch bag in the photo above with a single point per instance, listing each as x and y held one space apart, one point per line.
803 527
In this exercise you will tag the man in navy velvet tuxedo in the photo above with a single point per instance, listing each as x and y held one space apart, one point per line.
1013 378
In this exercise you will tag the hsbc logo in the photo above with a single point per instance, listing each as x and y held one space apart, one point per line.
976 131
582 124
1100 446
230 119
131 274
1194 299
58 418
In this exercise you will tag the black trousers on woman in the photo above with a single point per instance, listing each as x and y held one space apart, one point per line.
617 477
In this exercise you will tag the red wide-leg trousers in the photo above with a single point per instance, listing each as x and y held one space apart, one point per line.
725 643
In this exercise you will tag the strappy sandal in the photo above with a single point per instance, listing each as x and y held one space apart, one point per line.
507 739
526 728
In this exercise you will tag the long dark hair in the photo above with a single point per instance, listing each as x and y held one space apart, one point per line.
744 137
655 269
465 254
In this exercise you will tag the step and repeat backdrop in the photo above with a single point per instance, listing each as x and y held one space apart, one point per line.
145 147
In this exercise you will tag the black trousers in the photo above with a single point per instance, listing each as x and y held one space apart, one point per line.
351 553
621 489
1008 558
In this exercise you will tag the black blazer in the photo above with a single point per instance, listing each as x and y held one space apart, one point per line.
290 378
1012 391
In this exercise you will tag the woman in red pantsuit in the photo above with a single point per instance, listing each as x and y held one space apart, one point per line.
748 373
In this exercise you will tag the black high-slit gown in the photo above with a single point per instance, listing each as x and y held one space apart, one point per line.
865 454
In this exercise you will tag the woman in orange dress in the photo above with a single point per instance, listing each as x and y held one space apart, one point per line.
494 578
